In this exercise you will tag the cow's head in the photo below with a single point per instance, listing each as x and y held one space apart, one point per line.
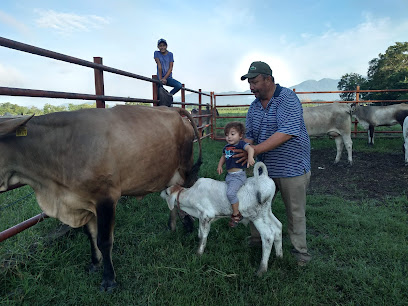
11 124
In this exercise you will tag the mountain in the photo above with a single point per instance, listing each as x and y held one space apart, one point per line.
309 85
322 85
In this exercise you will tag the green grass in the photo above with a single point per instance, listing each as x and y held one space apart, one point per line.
360 255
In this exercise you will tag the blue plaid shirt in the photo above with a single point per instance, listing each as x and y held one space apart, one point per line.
284 114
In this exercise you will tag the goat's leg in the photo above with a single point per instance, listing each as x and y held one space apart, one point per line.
267 236
278 236
204 229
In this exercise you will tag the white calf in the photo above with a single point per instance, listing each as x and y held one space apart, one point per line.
334 120
405 133
207 201
371 116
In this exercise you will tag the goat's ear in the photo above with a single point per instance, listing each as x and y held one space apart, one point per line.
171 200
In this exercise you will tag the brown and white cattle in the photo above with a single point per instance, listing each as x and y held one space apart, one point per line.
333 120
371 116
80 163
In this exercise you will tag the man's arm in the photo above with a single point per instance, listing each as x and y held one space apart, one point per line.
271 143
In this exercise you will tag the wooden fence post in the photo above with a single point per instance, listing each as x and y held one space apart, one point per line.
214 113
357 101
200 119
99 86
183 96
155 88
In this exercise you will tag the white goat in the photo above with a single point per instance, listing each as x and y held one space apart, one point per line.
207 201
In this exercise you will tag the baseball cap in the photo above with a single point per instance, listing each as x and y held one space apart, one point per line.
256 69
161 40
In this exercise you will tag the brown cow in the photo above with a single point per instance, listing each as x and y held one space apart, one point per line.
80 163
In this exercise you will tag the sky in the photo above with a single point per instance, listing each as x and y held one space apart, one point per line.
213 42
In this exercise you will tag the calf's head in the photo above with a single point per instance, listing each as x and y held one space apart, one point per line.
170 195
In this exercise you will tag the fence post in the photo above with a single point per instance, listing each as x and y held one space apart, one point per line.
183 96
357 101
155 88
200 119
213 113
99 87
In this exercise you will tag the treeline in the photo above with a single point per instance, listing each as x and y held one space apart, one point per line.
14 109
388 71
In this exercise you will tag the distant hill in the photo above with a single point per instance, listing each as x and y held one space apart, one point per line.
309 85
322 85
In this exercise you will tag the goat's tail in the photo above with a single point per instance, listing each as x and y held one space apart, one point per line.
256 169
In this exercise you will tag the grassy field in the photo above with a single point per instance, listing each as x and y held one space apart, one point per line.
360 256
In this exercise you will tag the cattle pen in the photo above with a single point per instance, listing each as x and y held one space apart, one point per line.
101 98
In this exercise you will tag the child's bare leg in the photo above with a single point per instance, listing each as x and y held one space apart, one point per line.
235 208
236 215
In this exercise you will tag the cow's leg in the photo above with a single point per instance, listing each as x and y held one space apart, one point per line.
91 230
371 135
339 146
172 219
105 211
203 231
406 150
348 143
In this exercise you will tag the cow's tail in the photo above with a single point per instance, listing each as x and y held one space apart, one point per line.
192 176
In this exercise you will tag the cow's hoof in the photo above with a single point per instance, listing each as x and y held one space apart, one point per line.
93 268
108 286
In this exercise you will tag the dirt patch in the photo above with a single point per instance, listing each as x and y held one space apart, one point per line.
372 175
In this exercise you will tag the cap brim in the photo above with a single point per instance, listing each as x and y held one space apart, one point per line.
249 76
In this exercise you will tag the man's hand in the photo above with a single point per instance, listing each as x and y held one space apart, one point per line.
242 156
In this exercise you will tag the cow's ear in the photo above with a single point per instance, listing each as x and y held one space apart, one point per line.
11 124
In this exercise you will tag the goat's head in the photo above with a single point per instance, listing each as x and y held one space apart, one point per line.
170 195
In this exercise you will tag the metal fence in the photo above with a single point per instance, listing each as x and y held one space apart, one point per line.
99 97
358 91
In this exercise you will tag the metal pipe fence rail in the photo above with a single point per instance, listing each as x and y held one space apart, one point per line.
99 97
357 100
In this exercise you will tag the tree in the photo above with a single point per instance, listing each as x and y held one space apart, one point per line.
350 81
389 71
48 108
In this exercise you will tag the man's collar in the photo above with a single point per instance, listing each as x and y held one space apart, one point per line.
278 90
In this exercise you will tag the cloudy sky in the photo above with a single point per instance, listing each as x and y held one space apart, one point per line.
213 41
